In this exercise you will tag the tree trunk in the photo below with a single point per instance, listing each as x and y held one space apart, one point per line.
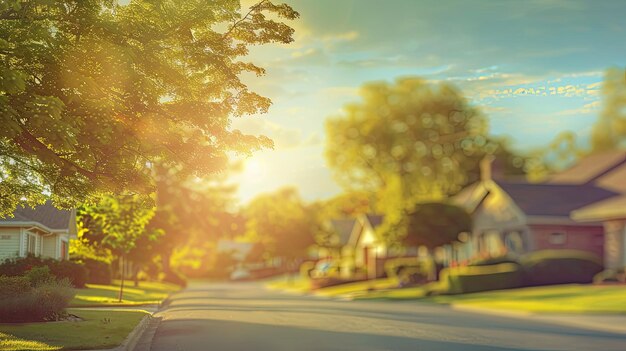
165 262
122 276
136 275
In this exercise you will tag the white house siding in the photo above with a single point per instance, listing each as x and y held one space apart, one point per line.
50 246
9 242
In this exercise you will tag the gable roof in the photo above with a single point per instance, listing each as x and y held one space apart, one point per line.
374 220
553 199
605 169
343 228
47 215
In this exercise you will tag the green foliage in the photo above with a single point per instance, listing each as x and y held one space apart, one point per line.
609 132
410 270
436 224
98 271
39 275
410 142
494 260
12 287
93 93
74 272
463 280
21 302
282 223
549 267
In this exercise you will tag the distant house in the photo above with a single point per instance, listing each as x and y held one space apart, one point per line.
43 231
607 170
517 217
356 246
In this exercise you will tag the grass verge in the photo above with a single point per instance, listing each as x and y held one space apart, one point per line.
107 295
99 330
570 298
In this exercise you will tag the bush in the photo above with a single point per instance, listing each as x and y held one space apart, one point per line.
494 260
76 273
410 268
550 267
39 275
20 302
462 280
98 271
11 287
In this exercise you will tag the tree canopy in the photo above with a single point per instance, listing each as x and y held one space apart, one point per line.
281 223
92 93
436 224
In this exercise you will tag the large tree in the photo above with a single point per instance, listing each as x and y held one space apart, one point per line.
92 93
609 132
282 223
412 137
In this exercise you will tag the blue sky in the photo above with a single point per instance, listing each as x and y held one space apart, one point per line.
534 67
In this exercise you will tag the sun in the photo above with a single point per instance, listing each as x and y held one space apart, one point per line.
253 169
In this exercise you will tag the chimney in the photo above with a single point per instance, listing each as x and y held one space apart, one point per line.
491 168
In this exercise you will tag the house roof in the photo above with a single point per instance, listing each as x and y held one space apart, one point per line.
343 228
613 208
47 215
374 220
553 199
605 169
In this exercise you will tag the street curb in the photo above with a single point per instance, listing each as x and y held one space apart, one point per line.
131 340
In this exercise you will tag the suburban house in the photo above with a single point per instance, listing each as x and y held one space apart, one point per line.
356 246
515 216
607 170
43 231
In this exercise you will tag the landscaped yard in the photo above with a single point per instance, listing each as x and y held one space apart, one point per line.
107 295
571 298
99 330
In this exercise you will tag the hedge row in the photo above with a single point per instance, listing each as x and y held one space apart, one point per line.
74 272
534 269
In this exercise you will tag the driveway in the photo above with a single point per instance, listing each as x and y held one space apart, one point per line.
246 317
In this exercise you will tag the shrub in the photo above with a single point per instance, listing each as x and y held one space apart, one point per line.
98 271
405 267
39 275
560 267
11 287
74 272
20 302
461 280
494 260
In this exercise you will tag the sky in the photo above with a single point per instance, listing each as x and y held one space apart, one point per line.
533 67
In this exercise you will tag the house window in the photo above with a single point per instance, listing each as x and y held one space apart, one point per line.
557 238
31 243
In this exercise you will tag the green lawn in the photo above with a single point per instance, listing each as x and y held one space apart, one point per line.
295 284
358 288
99 330
571 298
107 295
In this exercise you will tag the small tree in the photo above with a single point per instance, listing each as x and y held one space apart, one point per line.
122 221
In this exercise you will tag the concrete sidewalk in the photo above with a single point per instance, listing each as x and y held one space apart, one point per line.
613 323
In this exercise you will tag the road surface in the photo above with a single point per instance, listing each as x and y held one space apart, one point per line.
246 317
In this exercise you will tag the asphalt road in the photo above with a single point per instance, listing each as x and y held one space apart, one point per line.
246 317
